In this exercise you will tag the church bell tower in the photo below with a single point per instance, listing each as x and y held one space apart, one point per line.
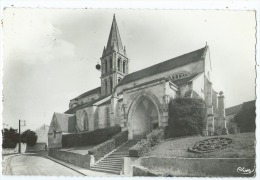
114 61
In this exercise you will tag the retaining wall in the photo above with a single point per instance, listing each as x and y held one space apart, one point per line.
217 167
72 158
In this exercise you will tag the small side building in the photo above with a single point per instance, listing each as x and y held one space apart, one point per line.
60 124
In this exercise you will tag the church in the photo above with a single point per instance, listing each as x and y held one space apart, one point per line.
138 101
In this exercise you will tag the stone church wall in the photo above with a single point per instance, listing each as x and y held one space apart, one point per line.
198 85
102 116
80 118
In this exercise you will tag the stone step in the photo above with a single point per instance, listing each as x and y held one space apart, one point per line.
118 155
108 166
114 157
106 170
109 163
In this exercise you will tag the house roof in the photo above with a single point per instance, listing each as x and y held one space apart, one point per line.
165 66
235 109
232 110
249 103
63 120
92 91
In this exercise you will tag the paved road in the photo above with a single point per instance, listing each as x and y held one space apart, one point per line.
36 165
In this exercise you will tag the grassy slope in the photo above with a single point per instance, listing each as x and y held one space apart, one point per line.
243 146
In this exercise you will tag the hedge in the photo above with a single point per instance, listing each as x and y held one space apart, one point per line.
143 146
89 138
104 148
187 117
246 117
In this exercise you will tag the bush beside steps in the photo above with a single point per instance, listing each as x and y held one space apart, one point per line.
143 146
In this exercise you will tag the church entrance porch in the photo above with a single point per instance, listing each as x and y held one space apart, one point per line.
144 118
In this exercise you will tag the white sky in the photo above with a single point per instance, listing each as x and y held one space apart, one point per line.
50 54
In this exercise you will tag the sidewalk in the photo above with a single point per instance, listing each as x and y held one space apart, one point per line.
85 172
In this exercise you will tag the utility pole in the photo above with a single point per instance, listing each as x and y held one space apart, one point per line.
20 134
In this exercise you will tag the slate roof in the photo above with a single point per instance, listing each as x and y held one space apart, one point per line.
233 110
73 110
93 91
165 66
63 120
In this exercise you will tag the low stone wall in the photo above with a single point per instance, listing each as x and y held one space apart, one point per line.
221 167
37 147
142 171
70 157
128 164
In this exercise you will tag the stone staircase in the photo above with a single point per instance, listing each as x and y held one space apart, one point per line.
113 162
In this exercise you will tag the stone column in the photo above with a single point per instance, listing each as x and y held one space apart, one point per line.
221 112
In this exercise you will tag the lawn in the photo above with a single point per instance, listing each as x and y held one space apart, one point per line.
242 146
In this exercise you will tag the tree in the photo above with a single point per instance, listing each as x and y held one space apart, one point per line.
245 118
10 138
187 117
29 137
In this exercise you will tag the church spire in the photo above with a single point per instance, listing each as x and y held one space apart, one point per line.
114 40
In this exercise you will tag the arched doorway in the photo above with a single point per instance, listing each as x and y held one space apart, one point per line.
145 118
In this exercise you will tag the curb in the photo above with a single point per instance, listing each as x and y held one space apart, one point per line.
63 164
7 162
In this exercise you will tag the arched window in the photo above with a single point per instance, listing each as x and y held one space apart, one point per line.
119 64
105 86
111 64
85 122
111 84
107 117
105 67
124 63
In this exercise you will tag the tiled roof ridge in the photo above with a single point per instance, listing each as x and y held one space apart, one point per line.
87 93
165 62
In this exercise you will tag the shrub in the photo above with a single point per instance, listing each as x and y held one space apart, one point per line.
187 117
218 131
141 148
10 138
155 137
29 137
152 139
245 118
89 138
